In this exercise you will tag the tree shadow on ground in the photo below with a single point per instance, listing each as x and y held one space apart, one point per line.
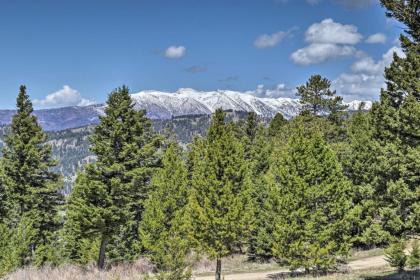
406 275
285 275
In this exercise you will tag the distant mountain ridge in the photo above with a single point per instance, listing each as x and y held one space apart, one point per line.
166 105
60 118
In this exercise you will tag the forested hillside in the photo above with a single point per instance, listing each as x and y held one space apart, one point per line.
71 146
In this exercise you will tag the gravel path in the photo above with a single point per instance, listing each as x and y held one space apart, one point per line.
362 264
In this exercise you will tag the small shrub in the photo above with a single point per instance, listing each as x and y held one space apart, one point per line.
414 258
395 255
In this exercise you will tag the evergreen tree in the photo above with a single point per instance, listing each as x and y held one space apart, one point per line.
312 199
108 200
251 126
360 165
396 120
3 198
414 258
317 98
160 227
257 147
32 189
220 203
276 125
337 110
80 246
395 255
14 244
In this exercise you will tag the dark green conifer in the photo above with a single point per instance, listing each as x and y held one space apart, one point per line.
276 125
396 121
33 190
317 98
108 201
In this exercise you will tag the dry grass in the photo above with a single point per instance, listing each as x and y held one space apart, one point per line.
232 264
361 254
134 271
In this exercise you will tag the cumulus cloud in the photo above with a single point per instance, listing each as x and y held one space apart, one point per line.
366 77
327 40
317 53
330 32
280 90
377 38
62 98
269 40
175 51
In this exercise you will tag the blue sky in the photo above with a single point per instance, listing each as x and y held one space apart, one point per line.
75 52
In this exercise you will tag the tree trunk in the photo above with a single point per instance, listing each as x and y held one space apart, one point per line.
218 269
102 250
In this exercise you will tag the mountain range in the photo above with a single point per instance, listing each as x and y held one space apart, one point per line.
166 105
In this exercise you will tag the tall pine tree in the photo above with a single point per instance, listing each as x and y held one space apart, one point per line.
257 148
317 98
361 165
312 197
220 203
33 190
396 121
160 229
108 200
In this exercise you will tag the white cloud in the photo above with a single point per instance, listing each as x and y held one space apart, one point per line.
175 52
366 78
330 32
62 98
328 40
281 90
376 38
269 40
369 66
317 53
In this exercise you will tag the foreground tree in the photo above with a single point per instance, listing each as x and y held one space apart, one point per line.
220 203
108 199
361 165
396 121
3 198
257 149
32 190
396 256
160 229
312 199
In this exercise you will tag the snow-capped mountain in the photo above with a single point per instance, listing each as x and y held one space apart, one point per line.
188 101
355 105
165 105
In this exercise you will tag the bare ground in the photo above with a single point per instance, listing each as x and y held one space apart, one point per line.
356 265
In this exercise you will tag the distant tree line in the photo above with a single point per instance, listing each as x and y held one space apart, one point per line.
301 191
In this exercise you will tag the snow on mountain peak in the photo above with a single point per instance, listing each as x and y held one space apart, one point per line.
188 101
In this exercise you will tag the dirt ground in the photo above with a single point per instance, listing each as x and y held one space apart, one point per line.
361 264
